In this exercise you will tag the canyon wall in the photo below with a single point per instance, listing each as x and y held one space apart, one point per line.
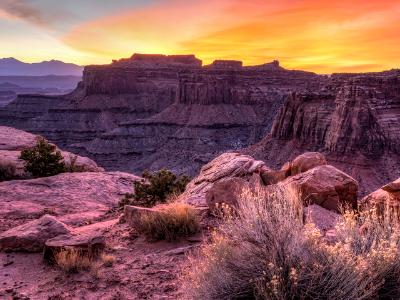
354 121
154 111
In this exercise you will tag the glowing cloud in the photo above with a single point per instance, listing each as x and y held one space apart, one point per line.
321 36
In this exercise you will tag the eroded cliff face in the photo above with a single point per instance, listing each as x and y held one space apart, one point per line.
354 121
154 111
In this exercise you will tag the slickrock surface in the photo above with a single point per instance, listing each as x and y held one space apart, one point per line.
354 122
153 111
75 198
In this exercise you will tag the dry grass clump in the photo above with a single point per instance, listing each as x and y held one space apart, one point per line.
74 260
266 252
172 222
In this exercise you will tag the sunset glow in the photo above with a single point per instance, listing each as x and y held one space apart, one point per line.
320 36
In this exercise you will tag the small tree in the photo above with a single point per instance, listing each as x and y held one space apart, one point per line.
43 160
155 188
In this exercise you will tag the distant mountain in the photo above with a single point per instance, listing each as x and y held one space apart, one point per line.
13 67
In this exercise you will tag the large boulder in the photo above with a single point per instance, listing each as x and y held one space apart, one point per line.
32 236
325 186
224 167
307 161
300 164
226 192
87 241
75 198
388 195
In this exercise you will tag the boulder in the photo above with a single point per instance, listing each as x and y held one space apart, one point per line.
89 239
306 161
388 195
226 192
92 244
272 176
133 213
393 187
325 186
322 218
32 236
226 166
300 164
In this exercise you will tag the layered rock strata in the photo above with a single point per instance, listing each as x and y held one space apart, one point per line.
355 123
153 111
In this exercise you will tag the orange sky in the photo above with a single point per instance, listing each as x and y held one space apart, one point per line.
321 36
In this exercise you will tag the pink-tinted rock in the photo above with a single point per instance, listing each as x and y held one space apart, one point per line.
224 167
306 161
226 192
132 214
13 141
90 239
325 186
32 236
323 219
89 194
387 196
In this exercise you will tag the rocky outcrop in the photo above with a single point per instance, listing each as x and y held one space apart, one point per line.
32 236
307 180
325 186
13 141
75 198
223 168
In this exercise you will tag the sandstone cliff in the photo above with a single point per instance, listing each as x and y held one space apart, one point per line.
354 121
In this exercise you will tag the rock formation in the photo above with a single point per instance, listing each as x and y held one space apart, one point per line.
13 141
387 196
153 111
353 121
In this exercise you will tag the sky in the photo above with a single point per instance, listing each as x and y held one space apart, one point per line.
314 35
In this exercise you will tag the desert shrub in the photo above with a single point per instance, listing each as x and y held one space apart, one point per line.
7 170
73 260
155 188
172 222
43 160
266 252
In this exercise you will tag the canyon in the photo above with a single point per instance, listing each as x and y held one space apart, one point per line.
156 111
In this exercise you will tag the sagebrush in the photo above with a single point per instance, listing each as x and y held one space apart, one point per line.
265 251
155 187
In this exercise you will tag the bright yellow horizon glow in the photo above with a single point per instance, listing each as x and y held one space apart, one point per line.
313 35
